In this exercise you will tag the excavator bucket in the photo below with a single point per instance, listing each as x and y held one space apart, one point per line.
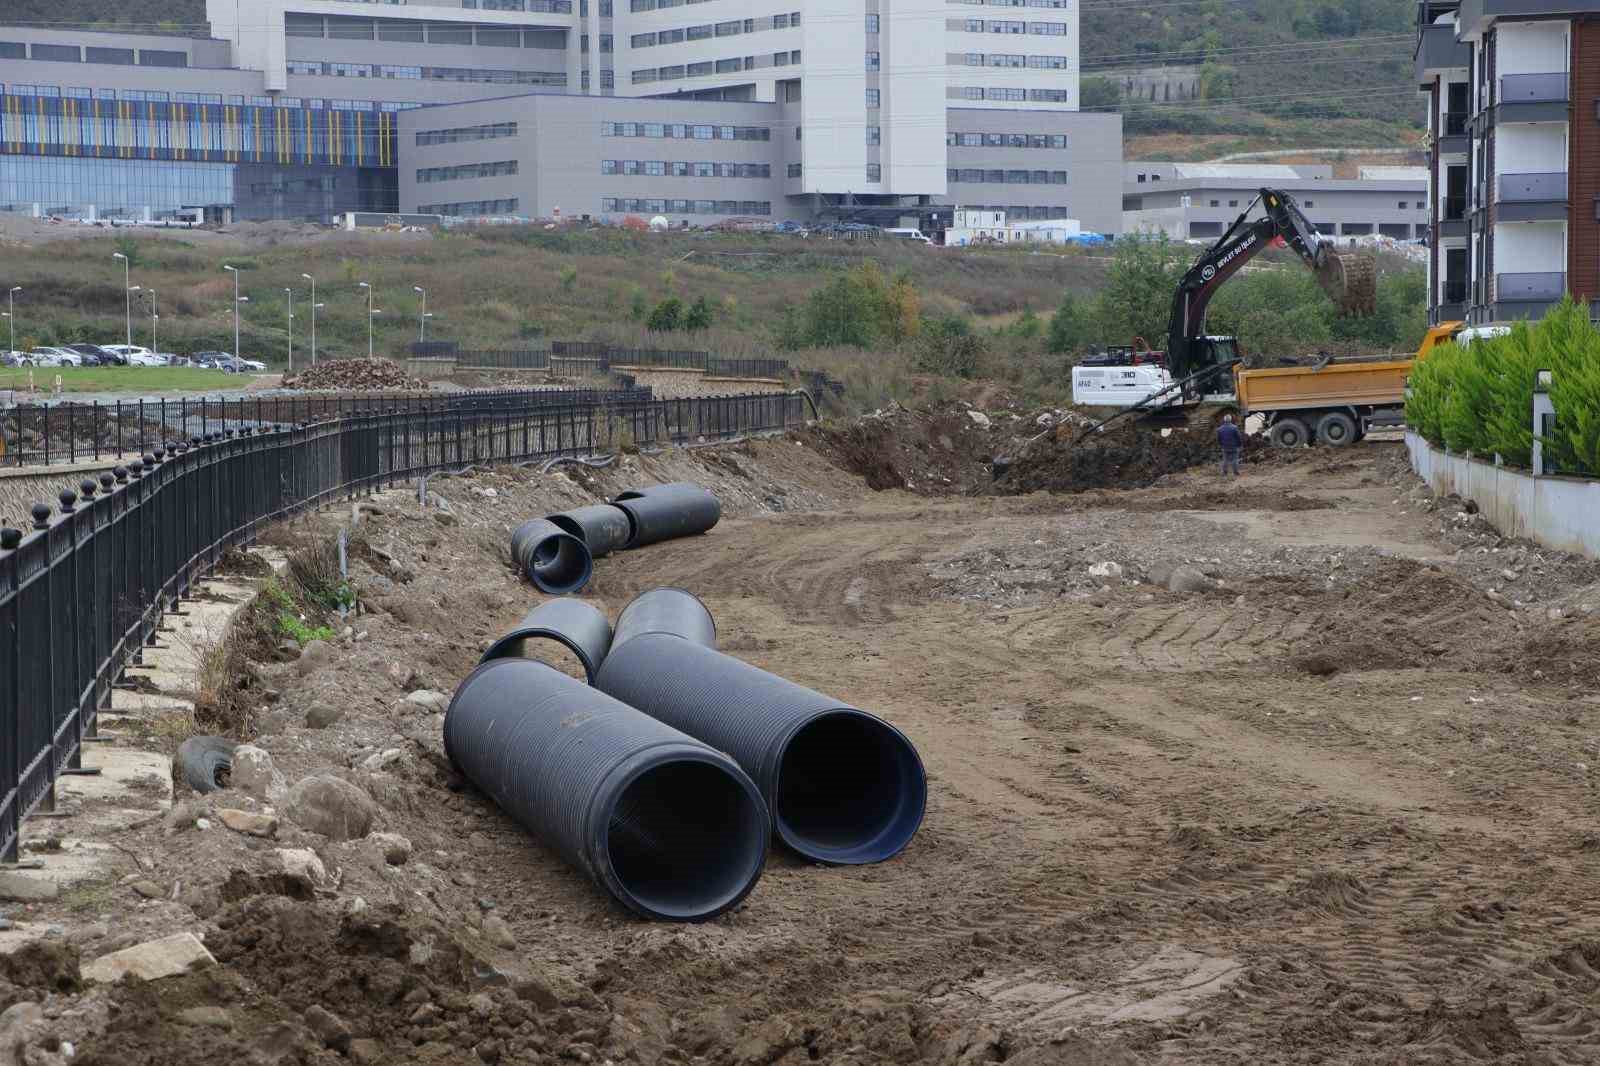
1351 282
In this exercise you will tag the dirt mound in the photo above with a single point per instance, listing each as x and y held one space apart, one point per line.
355 375
296 977
1220 500
1127 456
939 451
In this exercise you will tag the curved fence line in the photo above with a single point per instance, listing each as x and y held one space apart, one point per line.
82 592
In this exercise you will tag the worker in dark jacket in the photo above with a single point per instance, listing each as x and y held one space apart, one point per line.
1232 442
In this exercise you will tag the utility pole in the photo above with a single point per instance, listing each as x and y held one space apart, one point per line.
291 329
314 306
11 313
235 272
368 287
422 316
127 295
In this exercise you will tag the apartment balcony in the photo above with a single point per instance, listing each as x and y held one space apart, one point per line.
1453 217
1533 98
1531 197
1438 52
1454 140
1453 306
1527 295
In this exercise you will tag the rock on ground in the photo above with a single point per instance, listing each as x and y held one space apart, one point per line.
254 774
331 806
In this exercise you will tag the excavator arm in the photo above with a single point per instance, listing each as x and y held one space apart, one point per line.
1349 281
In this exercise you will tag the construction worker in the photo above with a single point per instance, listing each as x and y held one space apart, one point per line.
1232 442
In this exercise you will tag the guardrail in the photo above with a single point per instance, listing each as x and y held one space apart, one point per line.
82 591
67 432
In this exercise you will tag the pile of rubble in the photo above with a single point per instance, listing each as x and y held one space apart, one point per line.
355 375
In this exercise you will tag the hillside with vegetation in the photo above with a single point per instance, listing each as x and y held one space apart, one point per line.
1273 73
170 16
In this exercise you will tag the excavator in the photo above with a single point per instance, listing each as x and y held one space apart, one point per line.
1197 368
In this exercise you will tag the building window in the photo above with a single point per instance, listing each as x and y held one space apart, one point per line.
780 22
872 60
1311 203
728 66
873 96
874 172
116 56
1403 204
874 134
302 25
1233 203
59 53
872 23
467 133
794 170
472 208
499 169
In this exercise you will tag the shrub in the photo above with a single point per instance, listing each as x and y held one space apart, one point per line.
667 316
948 346
699 316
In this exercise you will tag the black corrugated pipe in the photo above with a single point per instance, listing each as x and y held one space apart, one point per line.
603 528
667 825
667 610
662 512
554 560
844 786
581 628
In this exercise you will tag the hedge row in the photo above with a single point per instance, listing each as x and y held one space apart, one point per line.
1479 398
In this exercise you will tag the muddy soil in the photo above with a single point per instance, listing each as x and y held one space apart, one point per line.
1332 808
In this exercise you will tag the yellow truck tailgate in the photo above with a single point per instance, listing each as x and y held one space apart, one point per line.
1376 383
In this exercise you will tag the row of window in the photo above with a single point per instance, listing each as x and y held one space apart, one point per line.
966 176
1006 140
1015 3
162 96
1018 212
477 75
1047 96
661 5
659 168
472 208
71 53
682 131
462 171
997 59
608 79
217 133
605 8
491 132
1038 29
734 65
606 44
408 31
609 206
709 30
537 6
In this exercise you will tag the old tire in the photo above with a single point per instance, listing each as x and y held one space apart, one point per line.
1337 429
204 763
1289 433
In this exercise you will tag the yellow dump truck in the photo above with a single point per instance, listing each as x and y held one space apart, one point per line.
1333 402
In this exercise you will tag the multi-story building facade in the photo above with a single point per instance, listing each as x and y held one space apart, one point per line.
1199 201
1515 167
304 108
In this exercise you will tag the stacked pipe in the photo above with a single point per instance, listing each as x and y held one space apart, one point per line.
557 552
627 780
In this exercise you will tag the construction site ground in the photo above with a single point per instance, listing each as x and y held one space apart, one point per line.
1332 804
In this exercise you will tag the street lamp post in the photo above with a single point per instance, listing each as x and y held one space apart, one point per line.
236 301
422 316
11 313
370 313
291 329
154 347
314 306
127 294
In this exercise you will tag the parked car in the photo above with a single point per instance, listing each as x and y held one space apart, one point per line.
106 356
15 359
135 355
209 360
54 357
252 366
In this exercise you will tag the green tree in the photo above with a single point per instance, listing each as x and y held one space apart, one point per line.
1137 298
1099 94
851 309
1069 327
948 346
667 316
699 317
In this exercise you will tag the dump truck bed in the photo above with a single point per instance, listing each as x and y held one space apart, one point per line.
1366 383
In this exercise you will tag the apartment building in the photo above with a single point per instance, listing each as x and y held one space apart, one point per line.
1199 201
694 109
1511 87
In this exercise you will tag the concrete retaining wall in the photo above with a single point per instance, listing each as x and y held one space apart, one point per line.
672 383
1558 512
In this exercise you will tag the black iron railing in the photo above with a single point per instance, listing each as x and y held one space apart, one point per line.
82 591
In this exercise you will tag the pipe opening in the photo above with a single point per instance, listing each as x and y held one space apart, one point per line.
850 790
686 840
560 564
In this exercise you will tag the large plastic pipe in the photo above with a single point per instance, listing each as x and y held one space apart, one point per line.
577 626
663 512
668 826
603 527
844 787
667 610
554 560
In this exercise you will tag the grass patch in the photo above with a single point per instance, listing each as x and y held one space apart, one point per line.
89 897
130 379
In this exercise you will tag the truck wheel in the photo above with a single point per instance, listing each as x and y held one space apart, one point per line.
1336 429
1289 433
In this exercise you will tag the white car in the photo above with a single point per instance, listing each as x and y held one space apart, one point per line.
254 366
55 357
135 355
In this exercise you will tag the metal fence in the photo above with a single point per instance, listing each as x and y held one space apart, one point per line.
82 592
42 434
597 357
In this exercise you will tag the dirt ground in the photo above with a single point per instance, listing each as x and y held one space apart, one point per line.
1332 807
